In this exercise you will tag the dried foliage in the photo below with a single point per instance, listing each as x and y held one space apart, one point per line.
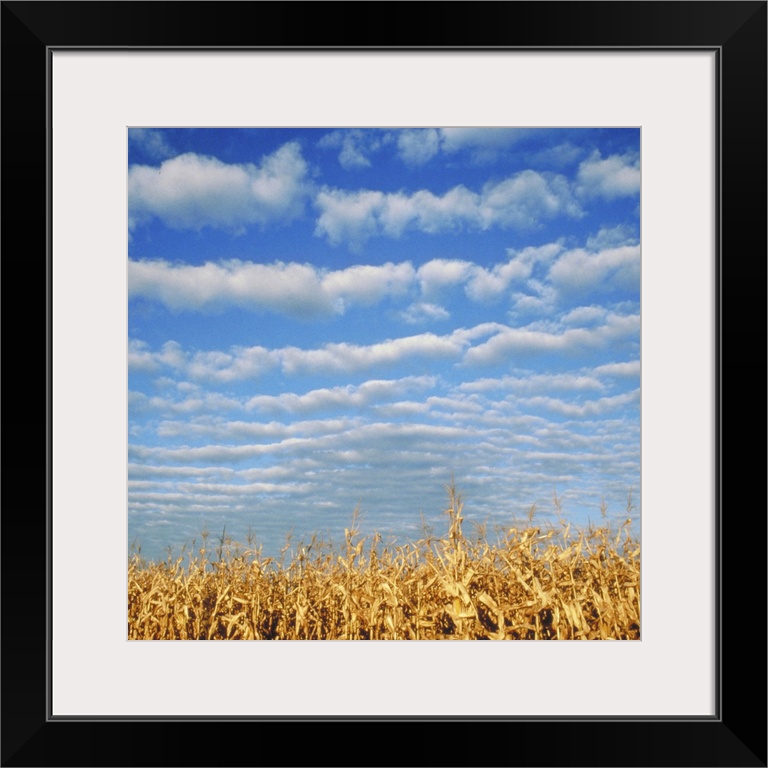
561 584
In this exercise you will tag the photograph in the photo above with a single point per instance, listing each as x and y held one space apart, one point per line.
418 336
384 383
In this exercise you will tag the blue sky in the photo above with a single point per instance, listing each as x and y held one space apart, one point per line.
321 318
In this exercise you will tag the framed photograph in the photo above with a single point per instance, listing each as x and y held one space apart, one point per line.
514 249
448 315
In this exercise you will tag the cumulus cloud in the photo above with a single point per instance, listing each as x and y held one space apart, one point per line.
192 191
609 264
365 284
140 358
348 216
355 217
354 357
527 197
460 344
212 454
437 274
484 144
418 146
489 284
520 201
590 408
612 237
229 490
212 365
240 363
297 290
535 383
630 368
293 289
305 291
149 470
512 341
609 178
207 402
423 312
150 141
558 156
540 299
584 316
252 430
368 393
355 146
580 271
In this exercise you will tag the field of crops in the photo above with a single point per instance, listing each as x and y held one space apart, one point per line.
555 583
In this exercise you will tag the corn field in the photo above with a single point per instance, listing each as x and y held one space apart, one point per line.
558 584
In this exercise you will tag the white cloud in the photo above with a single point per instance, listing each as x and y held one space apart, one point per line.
229 490
149 470
212 365
368 393
541 299
609 178
464 404
535 383
352 157
241 363
141 359
512 341
488 284
346 358
355 146
584 316
319 469
252 430
437 274
297 290
520 201
208 402
293 289
213 454
418 146
535 254
366 285
526 198
631 368
348 216
558 156
590 408
612 237
457 208
355 217
423 312
484 144
407 436
382 436
579 271
152 142
192 191
305 291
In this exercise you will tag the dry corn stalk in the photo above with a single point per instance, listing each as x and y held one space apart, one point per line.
561 584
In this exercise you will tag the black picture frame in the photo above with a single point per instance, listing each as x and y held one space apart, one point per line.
736 735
